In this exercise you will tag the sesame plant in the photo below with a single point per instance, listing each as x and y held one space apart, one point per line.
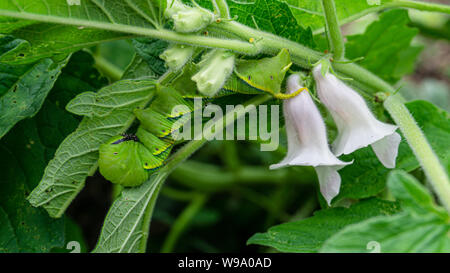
358 168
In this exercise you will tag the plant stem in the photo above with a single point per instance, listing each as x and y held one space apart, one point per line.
230 155
177 194
222 7
163 34
182 223
303 56
211 178
433 169
442 32
333 30
221 123
419 5
108 69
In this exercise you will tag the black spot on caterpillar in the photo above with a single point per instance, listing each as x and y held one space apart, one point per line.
126 137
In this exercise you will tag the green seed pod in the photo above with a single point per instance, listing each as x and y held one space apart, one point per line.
170 103
154 144
176 56
186 18
154 122
120 162
216 67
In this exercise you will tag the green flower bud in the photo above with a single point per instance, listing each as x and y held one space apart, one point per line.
186 18
216 67
176 56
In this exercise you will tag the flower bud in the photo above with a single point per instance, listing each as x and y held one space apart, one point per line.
216 67
307 140
176 56
186 18
357 126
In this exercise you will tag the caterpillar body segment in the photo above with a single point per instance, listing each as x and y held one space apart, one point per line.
166 103
154 122
120 163
152 162
154 144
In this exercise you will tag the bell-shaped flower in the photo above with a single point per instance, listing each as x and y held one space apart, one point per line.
357 126
307 140
176 56
186 18
215 68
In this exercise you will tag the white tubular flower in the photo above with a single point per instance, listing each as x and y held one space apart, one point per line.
307 140
356 124
216 67
186 18
176 56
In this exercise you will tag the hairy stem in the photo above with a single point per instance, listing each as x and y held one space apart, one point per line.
433 169
222 7
163 34
333 30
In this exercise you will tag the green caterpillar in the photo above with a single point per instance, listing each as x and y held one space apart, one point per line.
127 160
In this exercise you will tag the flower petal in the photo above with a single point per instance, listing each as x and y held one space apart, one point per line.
356 124
329 181
306 132
386 149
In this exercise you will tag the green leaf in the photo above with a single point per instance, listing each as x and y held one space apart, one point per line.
8 25
109 112
269 15
29 146
73 233
310 14
112 15
435 123
138 68
8 240
149 50
410 193
367 176
422 227
402 233
308 235
126 227
29 229
46 40
25 151
23 89
385 46
272 16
